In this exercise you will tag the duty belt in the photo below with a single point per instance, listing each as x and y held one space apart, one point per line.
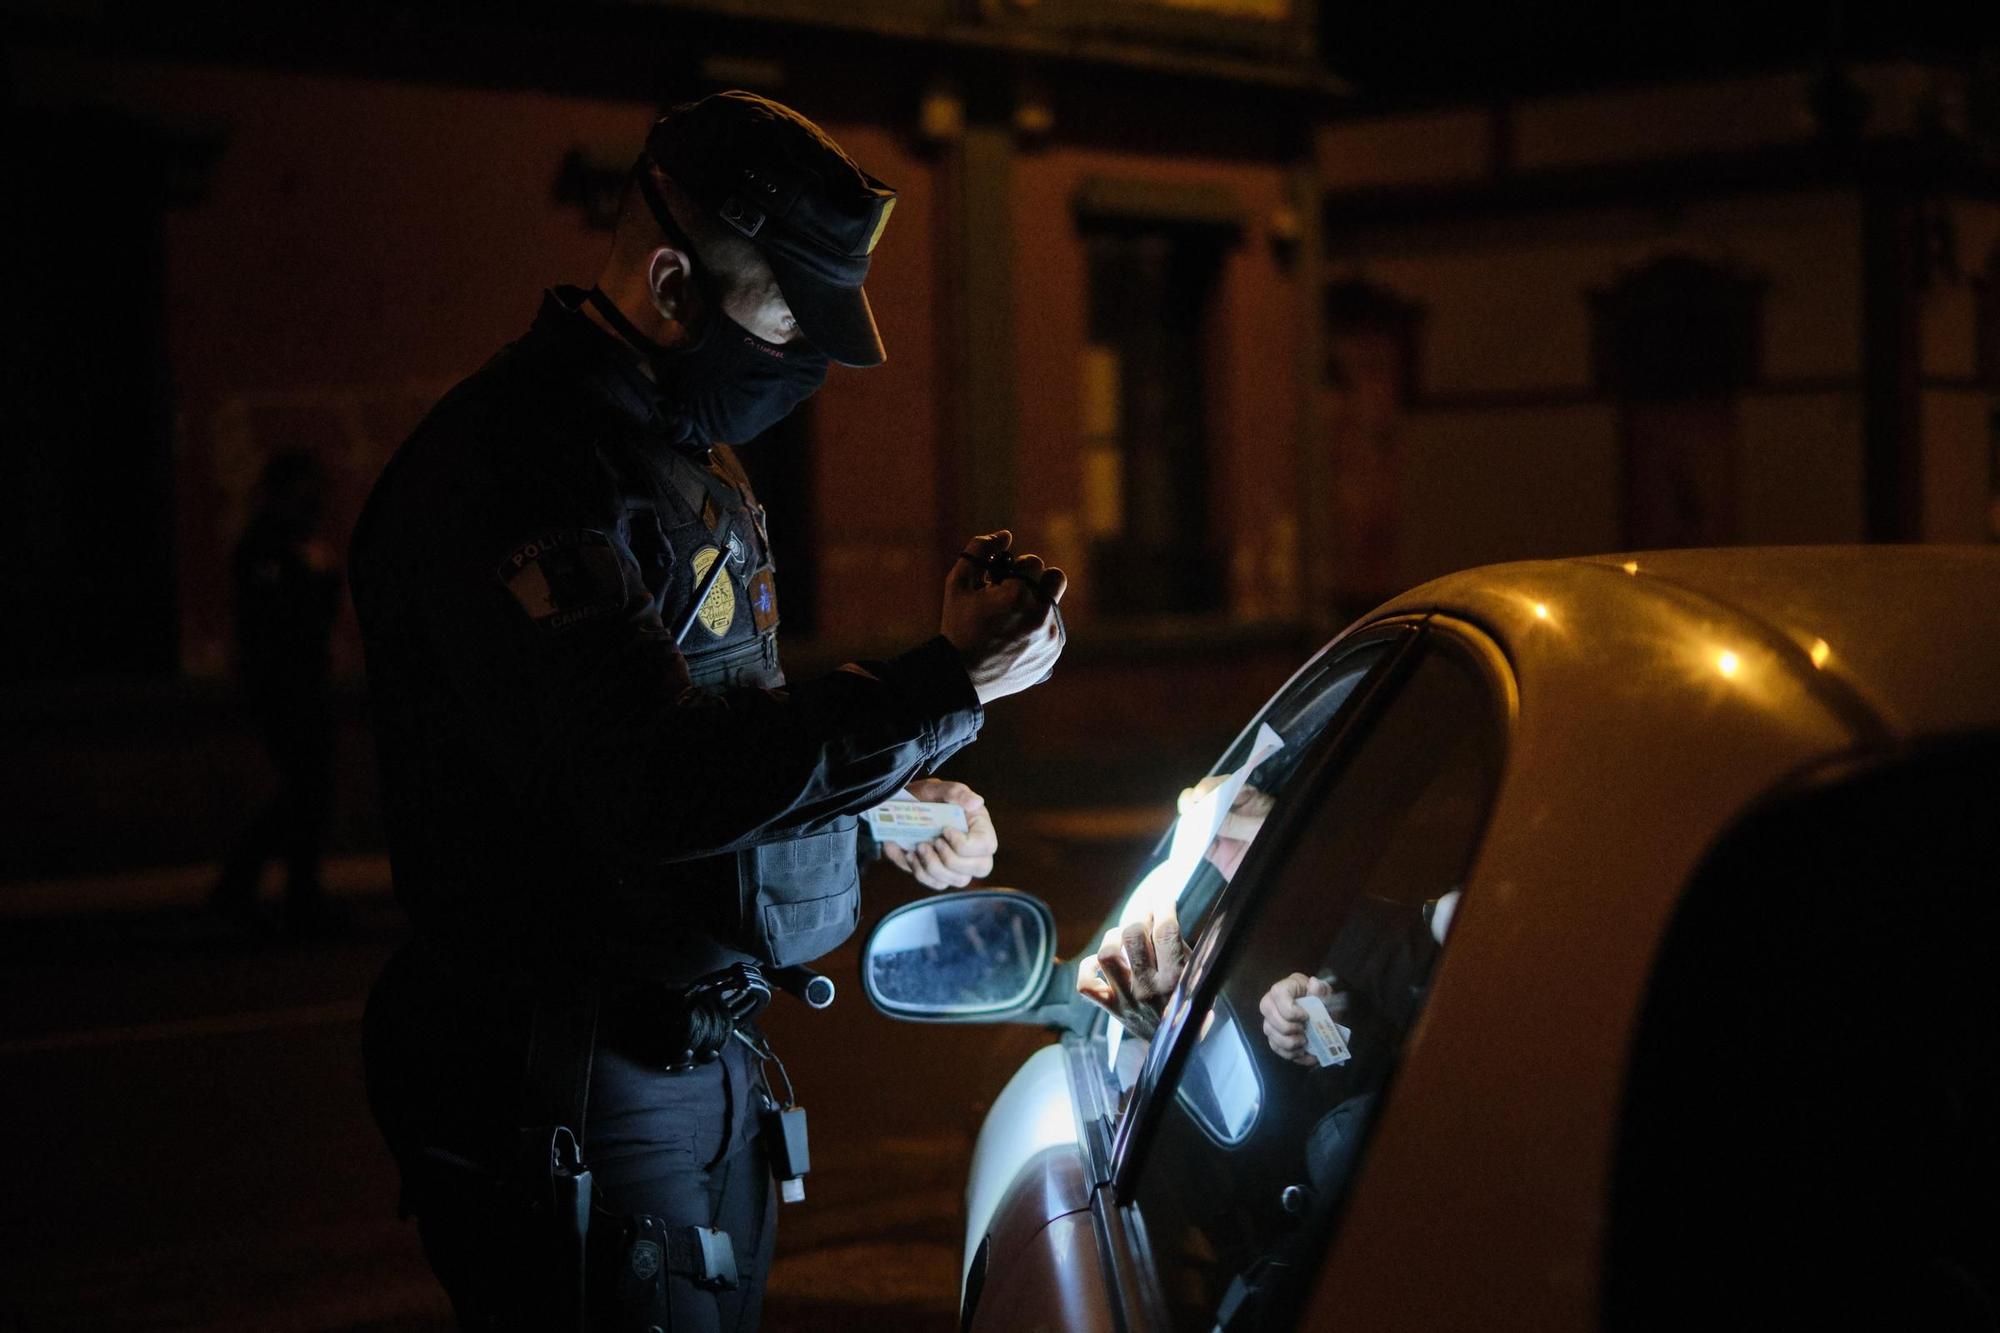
679 1027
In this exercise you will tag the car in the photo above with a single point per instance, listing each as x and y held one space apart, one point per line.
1651 904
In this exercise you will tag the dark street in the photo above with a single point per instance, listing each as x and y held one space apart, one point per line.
629 463
197 1154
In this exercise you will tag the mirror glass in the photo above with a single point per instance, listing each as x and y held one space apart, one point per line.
959 955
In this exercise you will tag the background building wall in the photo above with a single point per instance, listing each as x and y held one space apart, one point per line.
1961 392
1508 446
1252 408
359 246
875 433
362 244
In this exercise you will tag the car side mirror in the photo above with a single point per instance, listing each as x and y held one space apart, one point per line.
981 956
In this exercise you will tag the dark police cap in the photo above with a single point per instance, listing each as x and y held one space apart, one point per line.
776 178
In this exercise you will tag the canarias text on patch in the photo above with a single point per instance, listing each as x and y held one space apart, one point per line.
563 578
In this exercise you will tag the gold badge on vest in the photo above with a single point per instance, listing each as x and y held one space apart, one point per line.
718 611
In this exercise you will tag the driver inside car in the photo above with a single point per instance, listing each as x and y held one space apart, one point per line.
1138 964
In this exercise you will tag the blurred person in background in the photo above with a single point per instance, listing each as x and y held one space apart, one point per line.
286 592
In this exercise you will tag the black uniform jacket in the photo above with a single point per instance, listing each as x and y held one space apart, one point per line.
563 785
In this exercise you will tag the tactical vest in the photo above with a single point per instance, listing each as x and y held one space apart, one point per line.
788 901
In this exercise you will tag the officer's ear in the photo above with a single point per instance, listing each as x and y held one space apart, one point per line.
670 279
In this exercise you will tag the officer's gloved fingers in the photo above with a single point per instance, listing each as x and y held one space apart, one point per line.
1114 970
969 570
1106 980
1135 938
1091 984
1154 948
1169 950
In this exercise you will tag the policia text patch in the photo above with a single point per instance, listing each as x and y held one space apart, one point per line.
561 578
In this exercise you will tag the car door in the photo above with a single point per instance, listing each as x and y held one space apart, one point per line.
1223 1160
1029 1236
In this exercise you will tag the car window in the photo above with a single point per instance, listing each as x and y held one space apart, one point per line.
1255 1135
1223 812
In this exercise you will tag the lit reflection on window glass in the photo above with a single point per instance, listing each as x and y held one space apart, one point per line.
1220 1089
1221 815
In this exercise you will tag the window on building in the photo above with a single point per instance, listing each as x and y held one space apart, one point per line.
1373 338
1677 341
1986 323
1986 372
1146 500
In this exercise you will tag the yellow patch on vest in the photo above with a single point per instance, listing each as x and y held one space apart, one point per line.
718 612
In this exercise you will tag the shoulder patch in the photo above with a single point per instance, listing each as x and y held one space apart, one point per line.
561 578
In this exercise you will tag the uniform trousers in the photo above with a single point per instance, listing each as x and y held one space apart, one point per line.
682 1146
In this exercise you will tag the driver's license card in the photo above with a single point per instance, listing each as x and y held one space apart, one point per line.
907 822
1326 1039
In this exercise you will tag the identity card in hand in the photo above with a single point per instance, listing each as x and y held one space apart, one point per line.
1326 1039
907 821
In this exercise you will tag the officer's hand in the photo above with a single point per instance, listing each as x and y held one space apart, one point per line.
955 859
1285 1022
1007 633
1135 970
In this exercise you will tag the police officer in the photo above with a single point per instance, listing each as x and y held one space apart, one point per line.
611 819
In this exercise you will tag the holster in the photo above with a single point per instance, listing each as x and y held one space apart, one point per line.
633 1257
557 1185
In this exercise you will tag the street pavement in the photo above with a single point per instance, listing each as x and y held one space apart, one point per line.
191 1148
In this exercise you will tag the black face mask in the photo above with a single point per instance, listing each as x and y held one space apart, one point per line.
728 385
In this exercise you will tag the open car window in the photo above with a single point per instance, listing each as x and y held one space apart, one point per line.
1223 812
1239 1173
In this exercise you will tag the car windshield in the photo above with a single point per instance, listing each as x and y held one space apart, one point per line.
1220 815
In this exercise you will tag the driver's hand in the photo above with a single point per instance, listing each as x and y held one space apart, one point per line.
953 859
1135 970
1285 1022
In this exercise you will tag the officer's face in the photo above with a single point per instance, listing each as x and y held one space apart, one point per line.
754 301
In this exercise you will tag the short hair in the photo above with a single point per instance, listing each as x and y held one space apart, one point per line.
732 257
